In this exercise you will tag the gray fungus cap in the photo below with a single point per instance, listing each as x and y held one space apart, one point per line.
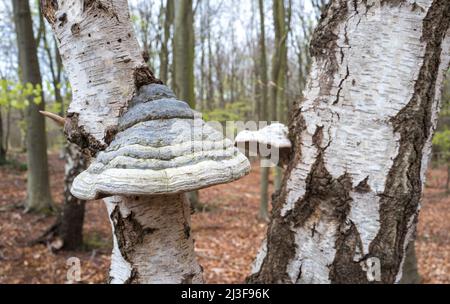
162 147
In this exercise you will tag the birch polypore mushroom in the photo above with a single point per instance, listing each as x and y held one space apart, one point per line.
161 151
269 142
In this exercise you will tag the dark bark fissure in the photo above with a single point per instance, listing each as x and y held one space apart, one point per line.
79 136
325 196
129 234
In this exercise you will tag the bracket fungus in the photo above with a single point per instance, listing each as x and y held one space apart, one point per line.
270 143
162 150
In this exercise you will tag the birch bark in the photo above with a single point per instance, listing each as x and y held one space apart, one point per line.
351 194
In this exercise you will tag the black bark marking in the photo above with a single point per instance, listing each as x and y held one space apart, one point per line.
144 76
324 41
340 88
78 135
363 186
187 278
75 29
48 10
129 234
345 269
62 19
324 196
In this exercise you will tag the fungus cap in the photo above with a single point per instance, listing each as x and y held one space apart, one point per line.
162 147
274 135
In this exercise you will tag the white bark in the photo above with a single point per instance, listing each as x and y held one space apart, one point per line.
100 54
160 248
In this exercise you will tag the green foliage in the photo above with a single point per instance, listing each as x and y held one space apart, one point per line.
18 95
232 112
441 142
16 165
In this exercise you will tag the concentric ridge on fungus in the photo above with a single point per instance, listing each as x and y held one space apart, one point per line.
162 147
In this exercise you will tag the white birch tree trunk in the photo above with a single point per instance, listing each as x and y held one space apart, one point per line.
102 58
362 139
152 240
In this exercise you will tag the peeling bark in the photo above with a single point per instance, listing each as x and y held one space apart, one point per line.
362 140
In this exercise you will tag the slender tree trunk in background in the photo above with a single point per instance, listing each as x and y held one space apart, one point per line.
263 62
164 54
264 188
210 92
2 149
447 186
72 217
350 197
183 57
184 51
279 69
38 190
410 271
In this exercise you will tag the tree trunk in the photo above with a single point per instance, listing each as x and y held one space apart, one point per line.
362 139
152 240
447 186
38 190
164 55
2 149
105 68
72 217
264 189
410 271
183 56
184 51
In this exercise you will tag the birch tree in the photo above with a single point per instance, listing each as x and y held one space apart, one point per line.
362 135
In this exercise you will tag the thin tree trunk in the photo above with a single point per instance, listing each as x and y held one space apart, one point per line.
447 186
2 149
38 189
183 54
279 68
164 54
264 189
72 217
350 197
184 51
410 271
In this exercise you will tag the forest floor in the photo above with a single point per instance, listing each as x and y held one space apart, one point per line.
227 236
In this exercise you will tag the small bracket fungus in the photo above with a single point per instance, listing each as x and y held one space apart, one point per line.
162 150
270 143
